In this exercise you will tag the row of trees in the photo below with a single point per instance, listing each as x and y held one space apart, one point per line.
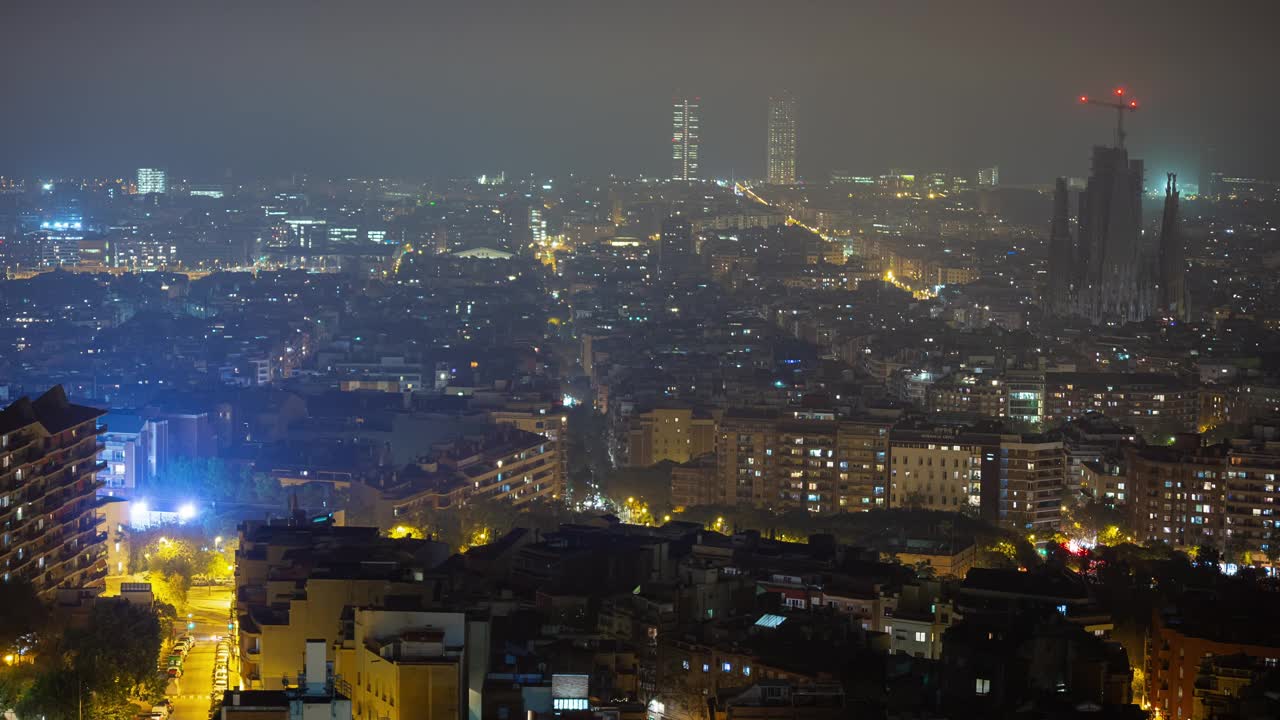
95 669
480 522
218 480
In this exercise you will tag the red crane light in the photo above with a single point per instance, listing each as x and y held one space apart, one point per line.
1119 91
1084 98
1133 104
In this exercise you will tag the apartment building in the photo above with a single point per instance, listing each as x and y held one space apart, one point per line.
775 459
49 521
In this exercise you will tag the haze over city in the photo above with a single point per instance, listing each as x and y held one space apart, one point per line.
428 88
639 361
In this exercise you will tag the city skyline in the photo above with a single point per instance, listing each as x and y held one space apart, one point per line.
904 114
679 360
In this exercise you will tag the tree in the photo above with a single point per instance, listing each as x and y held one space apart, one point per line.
53 694
196 479
23 615
1208 555
121 643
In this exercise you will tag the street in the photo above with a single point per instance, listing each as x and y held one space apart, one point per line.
208 607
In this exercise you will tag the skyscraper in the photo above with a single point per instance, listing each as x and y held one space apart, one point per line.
686 119
537 226
151 180
782 140
989 177
1173 256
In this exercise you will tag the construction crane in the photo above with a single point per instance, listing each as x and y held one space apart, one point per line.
1120 104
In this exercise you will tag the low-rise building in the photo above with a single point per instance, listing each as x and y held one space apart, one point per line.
1157 405
1200 627
404 664
675 434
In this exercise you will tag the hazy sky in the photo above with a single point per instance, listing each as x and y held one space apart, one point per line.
463 87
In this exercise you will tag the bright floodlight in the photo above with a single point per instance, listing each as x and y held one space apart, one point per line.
139 514
186 512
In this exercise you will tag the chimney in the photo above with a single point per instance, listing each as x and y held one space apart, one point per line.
316 668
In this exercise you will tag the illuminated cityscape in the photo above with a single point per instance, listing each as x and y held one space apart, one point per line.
414 379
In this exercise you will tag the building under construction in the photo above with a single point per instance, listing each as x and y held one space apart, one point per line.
1108 272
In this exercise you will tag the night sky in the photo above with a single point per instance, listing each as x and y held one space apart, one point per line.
442 88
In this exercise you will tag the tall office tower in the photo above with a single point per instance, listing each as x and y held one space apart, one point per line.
537 226
782 140
1062 268
48 486
1116 287
151 180
1173 256
675 249
989 177
686 120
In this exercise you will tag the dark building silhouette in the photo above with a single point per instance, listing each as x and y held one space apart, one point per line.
1173 256
1115 288
675 249
1062 270
1103 275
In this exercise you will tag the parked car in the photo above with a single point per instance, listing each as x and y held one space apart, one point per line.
175 671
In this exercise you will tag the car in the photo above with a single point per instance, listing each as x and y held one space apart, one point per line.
175 671
160 711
